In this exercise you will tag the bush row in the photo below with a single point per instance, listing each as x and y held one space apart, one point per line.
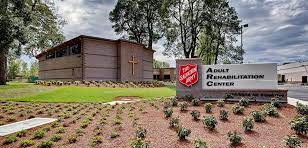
114 84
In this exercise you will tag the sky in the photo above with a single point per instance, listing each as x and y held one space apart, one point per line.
277 32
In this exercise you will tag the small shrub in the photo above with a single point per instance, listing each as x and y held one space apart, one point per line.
258 116
139 143
292 141
26 143
210 122
234 137
195 114
183 106
114 134
117 121
10 139
183 133
244 102
174 101
72 139
21 133
236 109
275 102
200 144
208 107
141 133
301 108
45 144
300 125
55 138
189 97
223 115
60 130
270 110
96 140
195 102
174 122
168 112
79 132
167 105
39 134
248 123
220 103
228 96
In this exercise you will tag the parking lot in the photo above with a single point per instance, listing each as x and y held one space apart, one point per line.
296 91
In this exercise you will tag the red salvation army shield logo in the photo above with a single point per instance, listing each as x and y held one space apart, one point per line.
188 74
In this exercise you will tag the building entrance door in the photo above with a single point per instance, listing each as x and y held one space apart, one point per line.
283 78
304 79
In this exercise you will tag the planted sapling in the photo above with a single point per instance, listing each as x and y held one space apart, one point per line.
223 115
208 107
195 114
210 122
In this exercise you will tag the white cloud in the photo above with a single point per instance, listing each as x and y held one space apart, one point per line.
277 31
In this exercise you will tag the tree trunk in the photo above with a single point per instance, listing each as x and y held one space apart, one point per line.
3 63
216 53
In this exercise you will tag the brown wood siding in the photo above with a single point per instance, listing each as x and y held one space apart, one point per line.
100 47
60 68
126 53
100 59
61 74
147 64
100 73
60 63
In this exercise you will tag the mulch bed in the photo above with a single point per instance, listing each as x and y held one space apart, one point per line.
148 115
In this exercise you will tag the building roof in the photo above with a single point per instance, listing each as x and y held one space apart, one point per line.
292 65
89 37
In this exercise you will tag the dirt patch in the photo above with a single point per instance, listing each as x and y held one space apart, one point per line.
102 119
128 98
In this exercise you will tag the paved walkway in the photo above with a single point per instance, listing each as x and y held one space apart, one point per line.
23 125
119 102
292 101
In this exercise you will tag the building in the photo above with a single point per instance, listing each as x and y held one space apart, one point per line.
164 74
296 72
93 58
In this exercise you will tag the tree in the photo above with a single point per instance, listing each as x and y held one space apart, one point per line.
27 27
206 26
218 35
139 19
14 68
34 68
24 69
160 64
182 23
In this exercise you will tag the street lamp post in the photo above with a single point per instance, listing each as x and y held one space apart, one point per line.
242 26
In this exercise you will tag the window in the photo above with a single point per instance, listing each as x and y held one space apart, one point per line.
66 51
156 77
50 55
61 53
75 49
166 77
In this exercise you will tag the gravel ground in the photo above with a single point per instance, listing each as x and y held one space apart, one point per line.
148 115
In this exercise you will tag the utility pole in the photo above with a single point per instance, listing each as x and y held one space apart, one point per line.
242 26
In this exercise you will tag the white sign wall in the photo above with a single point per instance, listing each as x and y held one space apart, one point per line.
239 76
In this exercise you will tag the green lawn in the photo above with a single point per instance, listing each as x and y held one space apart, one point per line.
35 93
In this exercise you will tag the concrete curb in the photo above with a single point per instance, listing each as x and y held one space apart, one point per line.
292 101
